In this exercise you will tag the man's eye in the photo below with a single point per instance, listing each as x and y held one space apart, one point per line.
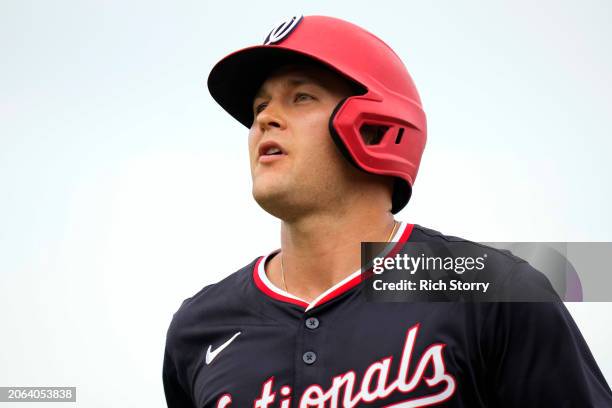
302 97
260 107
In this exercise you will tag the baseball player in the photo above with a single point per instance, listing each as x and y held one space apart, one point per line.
336 134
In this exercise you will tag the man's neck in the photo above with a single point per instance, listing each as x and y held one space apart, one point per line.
321 250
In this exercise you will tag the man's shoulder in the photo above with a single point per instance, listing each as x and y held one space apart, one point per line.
428 235
513 277
230 285
218 301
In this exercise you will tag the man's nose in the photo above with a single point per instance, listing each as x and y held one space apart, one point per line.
271 117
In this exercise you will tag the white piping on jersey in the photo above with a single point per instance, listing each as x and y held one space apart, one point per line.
264 277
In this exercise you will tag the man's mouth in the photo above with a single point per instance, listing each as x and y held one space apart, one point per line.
272 151
269 151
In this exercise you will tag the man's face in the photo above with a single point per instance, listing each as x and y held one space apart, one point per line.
292 111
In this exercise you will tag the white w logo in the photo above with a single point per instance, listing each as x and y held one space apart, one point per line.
282 29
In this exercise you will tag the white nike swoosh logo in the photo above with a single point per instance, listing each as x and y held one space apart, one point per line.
210 355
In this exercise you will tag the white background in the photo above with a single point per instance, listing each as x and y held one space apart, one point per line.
124 188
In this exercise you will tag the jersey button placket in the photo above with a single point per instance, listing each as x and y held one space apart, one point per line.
309 357
312 323
310 353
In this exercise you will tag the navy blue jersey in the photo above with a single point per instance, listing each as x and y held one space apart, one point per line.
243 342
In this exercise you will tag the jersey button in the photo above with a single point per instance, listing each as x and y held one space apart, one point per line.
309 357
312 323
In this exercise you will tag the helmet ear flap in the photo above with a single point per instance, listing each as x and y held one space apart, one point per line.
371 134
374 135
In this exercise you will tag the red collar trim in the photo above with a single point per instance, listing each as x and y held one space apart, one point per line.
270 289
264 284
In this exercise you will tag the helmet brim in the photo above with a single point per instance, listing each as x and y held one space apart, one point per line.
234 81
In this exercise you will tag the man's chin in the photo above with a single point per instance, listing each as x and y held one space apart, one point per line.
272 201
278 203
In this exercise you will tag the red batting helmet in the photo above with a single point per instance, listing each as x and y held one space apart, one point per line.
390 101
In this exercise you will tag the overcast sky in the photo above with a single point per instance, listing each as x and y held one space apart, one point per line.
124 188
